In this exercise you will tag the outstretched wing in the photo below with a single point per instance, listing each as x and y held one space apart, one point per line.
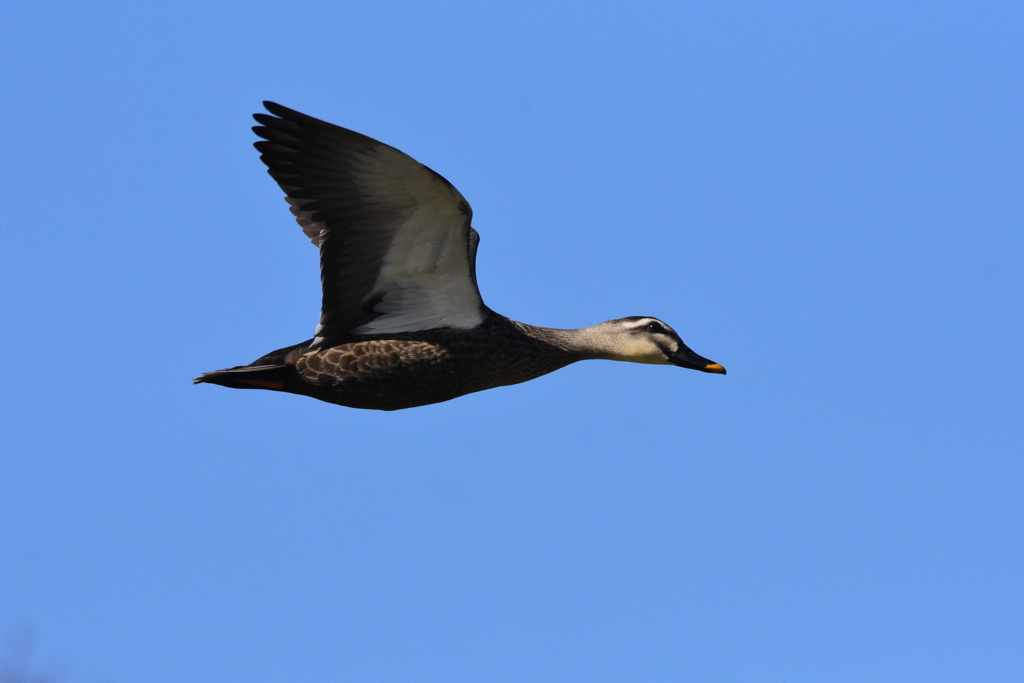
397 253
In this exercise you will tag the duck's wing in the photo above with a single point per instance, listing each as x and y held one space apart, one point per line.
397 253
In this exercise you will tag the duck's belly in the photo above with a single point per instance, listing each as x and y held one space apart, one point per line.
394 392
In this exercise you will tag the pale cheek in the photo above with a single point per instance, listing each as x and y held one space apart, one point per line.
644 352
636 349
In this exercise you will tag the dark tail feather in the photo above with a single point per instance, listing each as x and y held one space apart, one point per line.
249 377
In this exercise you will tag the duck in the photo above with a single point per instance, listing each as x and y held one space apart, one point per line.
402 323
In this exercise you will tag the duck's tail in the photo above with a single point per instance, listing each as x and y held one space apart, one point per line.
273 377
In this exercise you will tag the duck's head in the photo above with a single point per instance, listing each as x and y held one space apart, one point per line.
642 339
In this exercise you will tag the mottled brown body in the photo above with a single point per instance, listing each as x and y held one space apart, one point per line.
392 372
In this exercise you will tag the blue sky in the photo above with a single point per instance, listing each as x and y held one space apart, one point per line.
825 199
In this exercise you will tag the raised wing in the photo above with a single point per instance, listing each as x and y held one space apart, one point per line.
397 253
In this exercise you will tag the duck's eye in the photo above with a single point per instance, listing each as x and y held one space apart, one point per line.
654 327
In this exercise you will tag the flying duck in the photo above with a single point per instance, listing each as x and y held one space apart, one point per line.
402 323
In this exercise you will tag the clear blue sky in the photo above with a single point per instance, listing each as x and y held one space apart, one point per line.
826 198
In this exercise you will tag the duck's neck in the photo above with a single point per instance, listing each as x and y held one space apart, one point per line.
580 344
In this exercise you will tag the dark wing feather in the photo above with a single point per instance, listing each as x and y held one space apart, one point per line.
397 252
